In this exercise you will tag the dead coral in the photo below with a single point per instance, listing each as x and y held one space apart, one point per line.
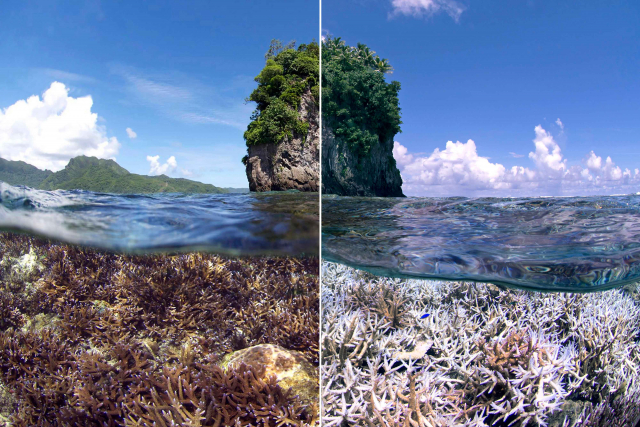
484 355
108 339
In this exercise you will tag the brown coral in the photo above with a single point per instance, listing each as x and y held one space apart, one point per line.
132 339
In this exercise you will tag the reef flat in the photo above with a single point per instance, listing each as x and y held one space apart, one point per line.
440 353
102 339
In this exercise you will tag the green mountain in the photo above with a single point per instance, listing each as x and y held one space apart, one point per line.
100 175
21 173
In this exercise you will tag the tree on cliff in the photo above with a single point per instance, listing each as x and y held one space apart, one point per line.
357 102
287 75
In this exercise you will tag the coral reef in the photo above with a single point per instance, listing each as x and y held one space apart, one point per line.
434 353
101 339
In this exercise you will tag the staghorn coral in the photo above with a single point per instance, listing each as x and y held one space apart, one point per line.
484 357
103 339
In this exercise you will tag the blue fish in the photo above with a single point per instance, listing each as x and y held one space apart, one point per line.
424 316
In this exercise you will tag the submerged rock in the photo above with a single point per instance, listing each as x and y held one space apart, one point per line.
24 266
8 404
292 164
290 368
348 173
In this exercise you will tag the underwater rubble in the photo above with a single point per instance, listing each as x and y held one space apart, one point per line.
438 353
102 339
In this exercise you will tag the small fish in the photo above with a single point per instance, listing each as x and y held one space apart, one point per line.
424 316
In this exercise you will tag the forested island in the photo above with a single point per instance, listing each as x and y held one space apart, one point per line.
360 117
283 136
99 175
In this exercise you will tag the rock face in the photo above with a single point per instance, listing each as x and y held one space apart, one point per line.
292 164
290 368
347 174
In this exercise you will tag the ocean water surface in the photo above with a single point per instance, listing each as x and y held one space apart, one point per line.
276 223
576 244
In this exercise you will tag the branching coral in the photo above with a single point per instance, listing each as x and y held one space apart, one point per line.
103 339
483 356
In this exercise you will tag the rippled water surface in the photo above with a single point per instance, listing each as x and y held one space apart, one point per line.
278 223
550 244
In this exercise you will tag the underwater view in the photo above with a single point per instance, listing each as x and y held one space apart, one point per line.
399 352
94 337
515 327
158 309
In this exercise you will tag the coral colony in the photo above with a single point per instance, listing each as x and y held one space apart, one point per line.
99 339
482 357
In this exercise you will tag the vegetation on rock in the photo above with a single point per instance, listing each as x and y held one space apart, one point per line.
357 102
287 75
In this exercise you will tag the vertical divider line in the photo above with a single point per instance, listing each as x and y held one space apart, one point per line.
321 409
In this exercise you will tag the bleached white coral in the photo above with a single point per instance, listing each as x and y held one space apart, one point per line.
482 356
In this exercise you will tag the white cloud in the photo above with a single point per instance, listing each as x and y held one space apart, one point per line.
131 133
155 168
516 155
458 170
400 154
419 8
548 156
46 132
559 123
594 163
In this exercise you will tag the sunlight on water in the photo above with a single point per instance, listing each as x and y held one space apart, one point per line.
278 223
551 244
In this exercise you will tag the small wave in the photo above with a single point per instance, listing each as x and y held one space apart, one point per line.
22 197
236 224
546 243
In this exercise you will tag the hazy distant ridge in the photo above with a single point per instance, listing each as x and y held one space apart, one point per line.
99 175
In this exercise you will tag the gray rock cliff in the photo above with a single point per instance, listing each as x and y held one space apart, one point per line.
292 164
347 174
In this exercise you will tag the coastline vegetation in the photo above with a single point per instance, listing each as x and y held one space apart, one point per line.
287 75
357 102
98 175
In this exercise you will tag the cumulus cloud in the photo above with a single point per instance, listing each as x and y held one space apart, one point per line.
47 132
459 170
156 168
400 153
559 123
419 8
548 156
131 133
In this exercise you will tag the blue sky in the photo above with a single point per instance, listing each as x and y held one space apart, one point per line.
491 72
175 73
